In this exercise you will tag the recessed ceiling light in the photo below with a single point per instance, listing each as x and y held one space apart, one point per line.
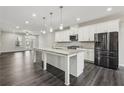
78 19
34 15
109 9
17 27
26 22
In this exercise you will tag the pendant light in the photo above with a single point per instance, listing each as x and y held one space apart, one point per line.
51 29
61 25
42 24
44 32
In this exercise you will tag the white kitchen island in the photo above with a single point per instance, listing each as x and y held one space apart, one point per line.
72 60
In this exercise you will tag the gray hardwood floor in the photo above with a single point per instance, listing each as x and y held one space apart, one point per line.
17 69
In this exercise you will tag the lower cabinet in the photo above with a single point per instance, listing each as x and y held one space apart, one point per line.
89 55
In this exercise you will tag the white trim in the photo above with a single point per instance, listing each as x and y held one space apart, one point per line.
121 65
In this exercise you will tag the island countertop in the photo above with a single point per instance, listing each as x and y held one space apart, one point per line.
71 61
62 51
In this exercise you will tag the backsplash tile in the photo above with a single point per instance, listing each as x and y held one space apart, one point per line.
87 45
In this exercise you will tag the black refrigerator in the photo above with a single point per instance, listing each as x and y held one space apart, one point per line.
106 50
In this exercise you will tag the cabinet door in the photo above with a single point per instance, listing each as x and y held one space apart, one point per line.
101 28
105 27
91 55
80 34
62 36
113 26
85 36
86 55
57 37
65 36
91 33
86 33
98 28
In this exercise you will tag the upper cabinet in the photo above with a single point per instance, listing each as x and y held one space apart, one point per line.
110 26
113 26
62 36
86 33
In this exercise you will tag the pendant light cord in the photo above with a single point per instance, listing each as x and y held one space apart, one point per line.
51 19
44 23
61 14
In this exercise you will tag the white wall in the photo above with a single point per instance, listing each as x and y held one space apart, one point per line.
0 41
121 44
8 41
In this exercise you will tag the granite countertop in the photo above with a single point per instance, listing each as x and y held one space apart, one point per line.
62 51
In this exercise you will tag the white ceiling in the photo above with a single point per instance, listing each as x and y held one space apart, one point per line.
12 16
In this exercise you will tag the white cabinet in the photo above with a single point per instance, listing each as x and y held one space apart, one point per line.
73 31
101 28
91 32
81 34
57 37
113 26
89 55
65 35
86 33
62 36
110 26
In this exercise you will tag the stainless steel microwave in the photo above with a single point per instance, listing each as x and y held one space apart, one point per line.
74 37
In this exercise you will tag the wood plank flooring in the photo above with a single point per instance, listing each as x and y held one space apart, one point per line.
17 69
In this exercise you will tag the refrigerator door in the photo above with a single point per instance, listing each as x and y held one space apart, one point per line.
101 41
113 50
100 49
106 50
113 41
104 61
113 62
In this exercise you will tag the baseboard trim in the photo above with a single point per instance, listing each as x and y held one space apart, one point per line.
13 51
121 65
2 52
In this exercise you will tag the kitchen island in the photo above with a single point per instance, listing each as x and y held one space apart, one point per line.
72 60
